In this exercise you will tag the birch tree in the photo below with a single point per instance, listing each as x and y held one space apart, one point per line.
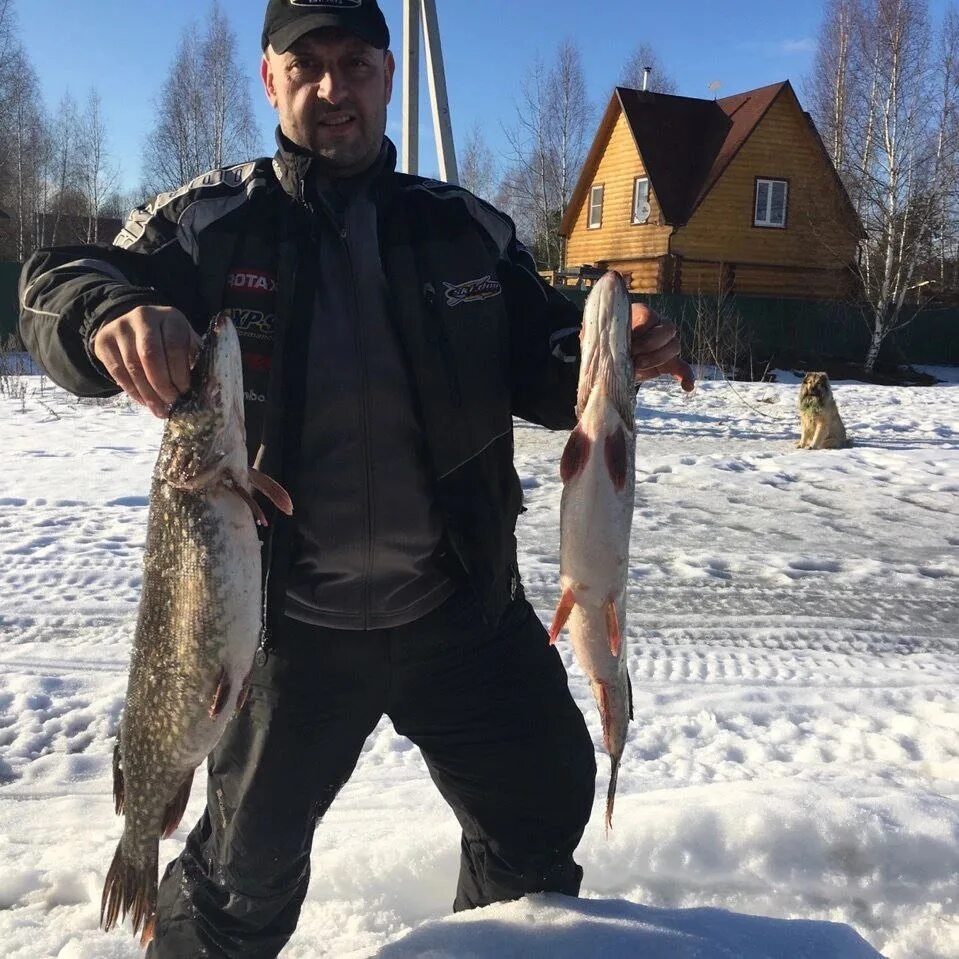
833 89
24 145
548 145
204 110
97 174
8 37
886 101
477 166
529 184
7 47
66 162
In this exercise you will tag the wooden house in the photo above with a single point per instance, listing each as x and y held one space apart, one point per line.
685 196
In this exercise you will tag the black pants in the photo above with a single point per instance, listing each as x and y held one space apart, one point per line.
488 707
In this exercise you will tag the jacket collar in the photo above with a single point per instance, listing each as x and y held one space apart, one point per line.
294 165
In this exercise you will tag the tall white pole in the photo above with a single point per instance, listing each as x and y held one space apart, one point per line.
411 86
436 73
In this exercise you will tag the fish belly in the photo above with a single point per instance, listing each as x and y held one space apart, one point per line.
197 633
596 516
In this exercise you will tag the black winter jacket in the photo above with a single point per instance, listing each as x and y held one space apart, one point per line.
484 337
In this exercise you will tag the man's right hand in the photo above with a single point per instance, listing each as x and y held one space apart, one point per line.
148 352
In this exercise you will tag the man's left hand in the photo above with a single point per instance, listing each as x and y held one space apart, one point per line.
655 349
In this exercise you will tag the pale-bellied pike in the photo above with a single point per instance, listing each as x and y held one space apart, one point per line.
199 619
596 513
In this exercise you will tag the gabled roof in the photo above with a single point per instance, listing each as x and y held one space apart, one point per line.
686 143
743 112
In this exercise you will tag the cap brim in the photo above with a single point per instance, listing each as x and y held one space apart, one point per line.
281 40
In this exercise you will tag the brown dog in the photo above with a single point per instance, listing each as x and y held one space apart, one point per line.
822 426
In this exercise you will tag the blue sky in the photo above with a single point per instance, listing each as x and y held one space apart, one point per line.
124 48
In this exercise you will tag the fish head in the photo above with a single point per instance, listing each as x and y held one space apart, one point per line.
205 438
605 344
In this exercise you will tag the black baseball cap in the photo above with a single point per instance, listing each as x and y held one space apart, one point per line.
288 20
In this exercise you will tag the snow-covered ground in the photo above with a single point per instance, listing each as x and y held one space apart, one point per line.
794 632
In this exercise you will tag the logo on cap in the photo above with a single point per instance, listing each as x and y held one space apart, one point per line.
335 4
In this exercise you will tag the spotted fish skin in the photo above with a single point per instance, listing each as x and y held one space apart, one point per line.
198 624
598 473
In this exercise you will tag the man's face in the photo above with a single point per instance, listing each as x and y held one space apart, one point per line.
330 90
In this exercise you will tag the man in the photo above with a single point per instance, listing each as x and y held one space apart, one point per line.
391 326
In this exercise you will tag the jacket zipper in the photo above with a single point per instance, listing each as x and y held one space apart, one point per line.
284 311
365 413
438 335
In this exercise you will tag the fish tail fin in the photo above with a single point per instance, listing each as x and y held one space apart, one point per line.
566 603
130 887
611 792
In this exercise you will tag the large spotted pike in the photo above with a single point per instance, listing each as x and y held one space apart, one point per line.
596 513
199 619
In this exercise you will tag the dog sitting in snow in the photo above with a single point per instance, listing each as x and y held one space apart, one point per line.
822 426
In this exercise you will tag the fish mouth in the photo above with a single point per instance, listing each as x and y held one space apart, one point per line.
612 278
205 429
201 380
605 355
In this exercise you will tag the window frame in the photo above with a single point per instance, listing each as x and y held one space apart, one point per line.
636 181
770 180
590 225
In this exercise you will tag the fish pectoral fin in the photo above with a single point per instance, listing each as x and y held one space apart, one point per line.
176 809
244 694
149 931
272 490
222 694
612 627
566 603
255 507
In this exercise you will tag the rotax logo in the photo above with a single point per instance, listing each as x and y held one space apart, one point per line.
254 281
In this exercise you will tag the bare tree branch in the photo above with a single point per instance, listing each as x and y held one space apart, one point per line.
477 166
98 174
548 144
885 97
660 81
204 110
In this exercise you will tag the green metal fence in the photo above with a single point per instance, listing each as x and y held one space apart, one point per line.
9 276
775 328
789 329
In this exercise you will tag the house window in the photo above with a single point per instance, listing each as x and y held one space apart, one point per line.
771 196
641 199
596 207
